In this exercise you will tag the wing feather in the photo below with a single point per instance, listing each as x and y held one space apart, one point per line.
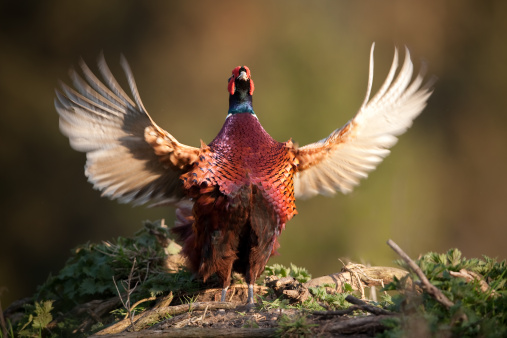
129 157
338 162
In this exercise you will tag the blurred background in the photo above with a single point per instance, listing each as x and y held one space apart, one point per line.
443 186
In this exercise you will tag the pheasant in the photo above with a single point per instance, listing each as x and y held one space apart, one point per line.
234 195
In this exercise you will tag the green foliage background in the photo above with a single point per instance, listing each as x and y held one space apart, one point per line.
443 186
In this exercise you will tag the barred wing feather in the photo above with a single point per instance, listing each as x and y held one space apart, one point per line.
338 162
129 157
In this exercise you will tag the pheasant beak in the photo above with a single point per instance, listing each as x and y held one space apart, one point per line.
243 76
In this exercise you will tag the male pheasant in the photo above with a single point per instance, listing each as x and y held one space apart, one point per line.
234 195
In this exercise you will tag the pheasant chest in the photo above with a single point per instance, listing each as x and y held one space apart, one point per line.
243 153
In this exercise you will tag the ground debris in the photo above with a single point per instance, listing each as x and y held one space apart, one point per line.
289 288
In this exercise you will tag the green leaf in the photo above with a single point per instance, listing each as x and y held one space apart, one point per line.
42 314
347 287
88 287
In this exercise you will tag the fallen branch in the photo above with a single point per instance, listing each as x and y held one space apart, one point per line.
356 325
367 307
155 315
426 285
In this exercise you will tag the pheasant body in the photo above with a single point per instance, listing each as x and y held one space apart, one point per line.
234 195
243 190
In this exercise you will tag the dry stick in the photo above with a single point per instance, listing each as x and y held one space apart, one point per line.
142 301
2 322
430 288
353 273
233 292
126 303
204 315
358 305
471 276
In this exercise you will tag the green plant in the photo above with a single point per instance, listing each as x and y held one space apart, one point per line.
294 327
188 299
278 303
38 318
9 330
333 300
88 275
300 274
479 309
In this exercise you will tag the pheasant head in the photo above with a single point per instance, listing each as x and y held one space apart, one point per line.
240 88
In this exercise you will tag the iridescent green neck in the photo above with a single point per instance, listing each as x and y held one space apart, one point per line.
240 102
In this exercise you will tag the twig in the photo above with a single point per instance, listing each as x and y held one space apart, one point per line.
373 293
430 288
353 272
470 276
142 301
367 307
129 290
368 279
147 271
233 292
204 315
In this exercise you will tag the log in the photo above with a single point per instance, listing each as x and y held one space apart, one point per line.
369 276
357 325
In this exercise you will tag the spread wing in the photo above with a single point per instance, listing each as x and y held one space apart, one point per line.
338 162
129 157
